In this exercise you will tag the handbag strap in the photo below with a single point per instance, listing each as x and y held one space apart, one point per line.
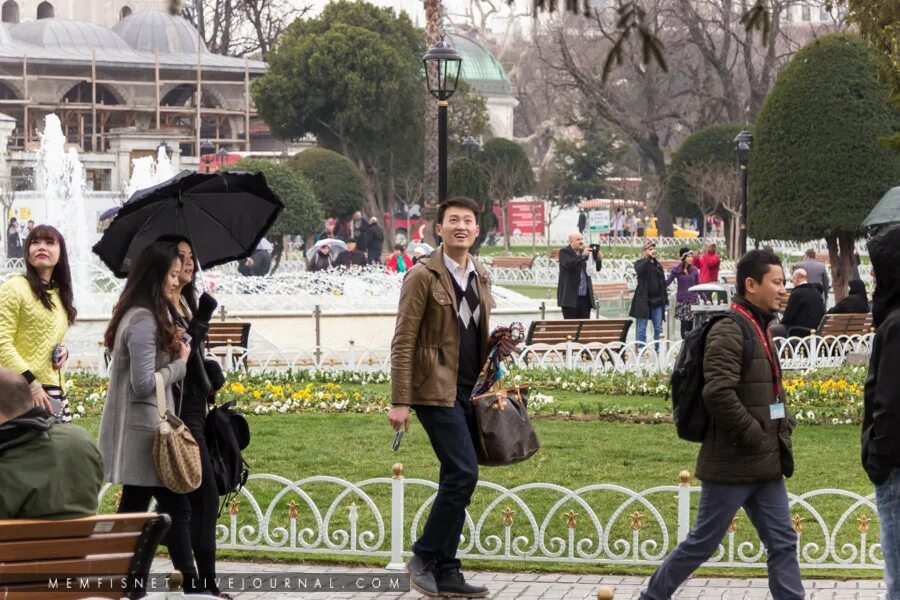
160 396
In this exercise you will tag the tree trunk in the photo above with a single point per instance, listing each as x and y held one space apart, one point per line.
840 256
503 217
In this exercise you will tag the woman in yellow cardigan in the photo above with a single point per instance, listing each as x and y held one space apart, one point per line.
36 311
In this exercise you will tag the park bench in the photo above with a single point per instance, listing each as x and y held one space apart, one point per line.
227 337
617 290
512 262
580 331
96 549
845 324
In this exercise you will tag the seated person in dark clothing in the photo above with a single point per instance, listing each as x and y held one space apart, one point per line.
351 257
805 307
48 470
855 302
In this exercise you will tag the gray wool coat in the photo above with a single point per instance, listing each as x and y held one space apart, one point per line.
130 415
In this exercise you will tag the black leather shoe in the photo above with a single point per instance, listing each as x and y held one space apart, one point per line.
421 576
453 583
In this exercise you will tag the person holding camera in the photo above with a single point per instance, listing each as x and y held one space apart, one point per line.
650 297
574 293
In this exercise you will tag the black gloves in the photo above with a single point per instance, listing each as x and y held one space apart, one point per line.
205 308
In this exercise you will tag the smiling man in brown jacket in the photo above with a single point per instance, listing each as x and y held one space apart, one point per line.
440 343
746 453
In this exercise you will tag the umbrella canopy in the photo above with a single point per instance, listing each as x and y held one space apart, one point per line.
337 246
225 215
109 213
887 210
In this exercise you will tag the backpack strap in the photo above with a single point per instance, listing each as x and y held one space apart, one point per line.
748 334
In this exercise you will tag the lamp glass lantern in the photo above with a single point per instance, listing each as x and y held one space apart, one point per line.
442 67
470 146
743 142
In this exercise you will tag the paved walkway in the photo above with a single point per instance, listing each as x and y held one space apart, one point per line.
528 586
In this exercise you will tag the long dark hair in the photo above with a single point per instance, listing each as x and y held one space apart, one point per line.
188 292
144 288
60 279
685 267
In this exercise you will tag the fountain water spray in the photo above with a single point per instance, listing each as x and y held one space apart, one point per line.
59 177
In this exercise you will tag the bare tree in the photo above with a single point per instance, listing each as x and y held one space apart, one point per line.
714 186
642 101
240 27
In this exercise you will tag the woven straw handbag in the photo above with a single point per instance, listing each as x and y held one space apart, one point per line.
176 454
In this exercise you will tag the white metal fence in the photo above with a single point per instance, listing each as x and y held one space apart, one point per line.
798 354
532 522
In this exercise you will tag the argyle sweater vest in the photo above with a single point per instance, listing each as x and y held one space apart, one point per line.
468 316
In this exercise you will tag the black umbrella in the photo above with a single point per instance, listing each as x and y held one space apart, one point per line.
225 215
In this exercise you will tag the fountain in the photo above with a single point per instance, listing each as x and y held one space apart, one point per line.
147 172
59 178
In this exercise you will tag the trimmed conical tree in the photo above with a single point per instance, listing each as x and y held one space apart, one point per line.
817 167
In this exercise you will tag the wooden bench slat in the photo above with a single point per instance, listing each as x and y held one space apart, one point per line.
30 592
845 324
29 529
36 570
74 547
578 330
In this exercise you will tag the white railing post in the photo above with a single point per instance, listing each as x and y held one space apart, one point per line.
397 520
684 506
813 349
229 356
101 360
351 359
570 364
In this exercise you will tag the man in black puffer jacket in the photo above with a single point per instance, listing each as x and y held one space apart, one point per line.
746 453
881 416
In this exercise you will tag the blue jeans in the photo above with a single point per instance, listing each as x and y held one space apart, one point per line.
656 315
887 496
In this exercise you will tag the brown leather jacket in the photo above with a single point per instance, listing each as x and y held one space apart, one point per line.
425 348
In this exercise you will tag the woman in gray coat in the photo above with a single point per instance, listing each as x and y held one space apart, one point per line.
144 341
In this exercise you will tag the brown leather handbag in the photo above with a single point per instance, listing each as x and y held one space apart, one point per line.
176 454
504 435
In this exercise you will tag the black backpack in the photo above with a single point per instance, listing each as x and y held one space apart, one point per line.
688 411
227 434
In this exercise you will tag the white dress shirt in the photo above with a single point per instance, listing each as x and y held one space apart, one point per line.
461 276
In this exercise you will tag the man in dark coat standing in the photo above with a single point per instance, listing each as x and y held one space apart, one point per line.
574 293
881 401
650 297
805 307
374 241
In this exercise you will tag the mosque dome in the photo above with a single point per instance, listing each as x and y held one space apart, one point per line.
66 34
480 68
157 30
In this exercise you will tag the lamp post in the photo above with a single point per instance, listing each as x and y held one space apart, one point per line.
743 142
442 65
470 147
206 148
163 145
221 156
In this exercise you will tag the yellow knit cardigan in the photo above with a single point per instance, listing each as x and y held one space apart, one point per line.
29 332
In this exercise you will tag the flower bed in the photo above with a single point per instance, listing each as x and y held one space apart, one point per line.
823 396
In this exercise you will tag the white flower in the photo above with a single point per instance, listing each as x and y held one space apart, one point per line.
80 408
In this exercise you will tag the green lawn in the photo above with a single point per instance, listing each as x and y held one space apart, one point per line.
574 453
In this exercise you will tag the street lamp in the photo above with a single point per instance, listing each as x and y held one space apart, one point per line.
221 156
206 148
470 147
442 65
743 142
165 147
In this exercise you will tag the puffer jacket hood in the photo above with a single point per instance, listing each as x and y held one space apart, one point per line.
13 431
884 251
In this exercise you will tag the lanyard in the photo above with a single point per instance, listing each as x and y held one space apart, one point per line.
776 371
